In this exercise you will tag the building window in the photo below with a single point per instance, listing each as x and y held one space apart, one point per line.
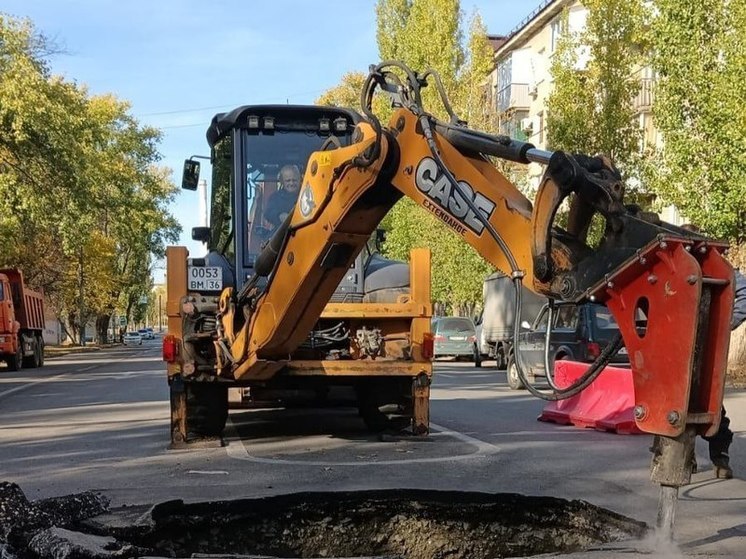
556 29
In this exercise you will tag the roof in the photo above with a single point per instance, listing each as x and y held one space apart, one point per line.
496 41
223 123
541 15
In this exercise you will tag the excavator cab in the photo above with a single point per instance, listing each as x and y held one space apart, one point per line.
250 146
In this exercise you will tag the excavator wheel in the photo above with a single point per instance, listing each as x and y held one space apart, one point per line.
385 404
207 409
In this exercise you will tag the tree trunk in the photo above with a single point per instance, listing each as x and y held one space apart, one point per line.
69 327
102 328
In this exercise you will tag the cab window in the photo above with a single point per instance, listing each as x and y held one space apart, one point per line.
221 208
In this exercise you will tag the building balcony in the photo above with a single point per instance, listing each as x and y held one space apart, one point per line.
514 96
643 101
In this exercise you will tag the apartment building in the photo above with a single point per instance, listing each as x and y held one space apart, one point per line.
521 82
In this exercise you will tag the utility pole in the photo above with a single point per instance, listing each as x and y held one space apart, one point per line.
81 304
160 314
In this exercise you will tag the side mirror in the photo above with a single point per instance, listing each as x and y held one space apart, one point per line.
525 325
190 176
201 234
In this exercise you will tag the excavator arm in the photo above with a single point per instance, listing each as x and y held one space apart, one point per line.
670 290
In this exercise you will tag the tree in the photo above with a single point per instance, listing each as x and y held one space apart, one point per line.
80 191
590 109
699 110
346 94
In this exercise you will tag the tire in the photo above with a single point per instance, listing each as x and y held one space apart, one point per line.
32 361
477 357
500 362
514 381
15 362
40 346
207 409
385 405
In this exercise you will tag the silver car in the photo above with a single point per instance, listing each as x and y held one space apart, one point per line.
132 338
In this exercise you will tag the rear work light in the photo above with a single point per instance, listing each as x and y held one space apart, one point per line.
428 347
340 124
170 348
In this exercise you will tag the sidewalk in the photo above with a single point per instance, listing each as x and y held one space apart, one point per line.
58 351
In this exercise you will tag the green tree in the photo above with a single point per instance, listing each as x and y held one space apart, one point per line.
79 184
346 94
699 110
590 109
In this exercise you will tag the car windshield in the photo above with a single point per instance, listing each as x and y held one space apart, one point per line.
455 325
271 160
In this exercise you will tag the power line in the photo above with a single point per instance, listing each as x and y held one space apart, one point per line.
224 106
179 111
181 126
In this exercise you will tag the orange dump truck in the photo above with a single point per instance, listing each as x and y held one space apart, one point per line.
21 322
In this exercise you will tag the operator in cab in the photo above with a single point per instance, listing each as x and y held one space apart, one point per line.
281 203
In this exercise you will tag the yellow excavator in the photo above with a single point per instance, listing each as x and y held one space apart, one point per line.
291 307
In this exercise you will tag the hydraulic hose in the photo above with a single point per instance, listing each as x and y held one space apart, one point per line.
603 359
580 384
500 146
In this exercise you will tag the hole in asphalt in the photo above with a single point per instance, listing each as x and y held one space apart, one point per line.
412 524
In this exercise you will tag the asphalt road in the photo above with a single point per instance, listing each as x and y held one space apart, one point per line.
100 421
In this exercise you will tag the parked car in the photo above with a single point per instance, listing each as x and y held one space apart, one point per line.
146 333
579 333
456 336
132 338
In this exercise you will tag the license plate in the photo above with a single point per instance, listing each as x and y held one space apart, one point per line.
457 338
205 278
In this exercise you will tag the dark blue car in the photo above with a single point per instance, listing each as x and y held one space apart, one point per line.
579 333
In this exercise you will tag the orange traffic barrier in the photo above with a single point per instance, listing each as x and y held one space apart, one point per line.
607 404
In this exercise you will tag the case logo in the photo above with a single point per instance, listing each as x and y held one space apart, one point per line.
446 202
307 203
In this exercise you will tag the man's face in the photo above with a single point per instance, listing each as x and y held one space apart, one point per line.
290 180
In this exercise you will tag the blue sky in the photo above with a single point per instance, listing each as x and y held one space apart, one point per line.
178 63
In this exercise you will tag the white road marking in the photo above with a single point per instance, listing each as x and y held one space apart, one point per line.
238 451
209 472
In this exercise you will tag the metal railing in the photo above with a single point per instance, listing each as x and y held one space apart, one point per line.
525 21
513 96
